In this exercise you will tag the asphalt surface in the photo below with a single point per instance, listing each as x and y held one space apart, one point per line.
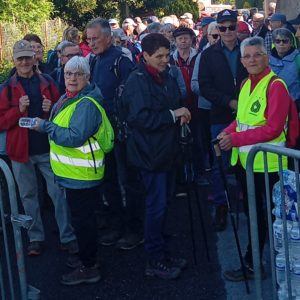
123 272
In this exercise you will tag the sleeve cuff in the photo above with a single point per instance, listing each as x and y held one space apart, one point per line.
42 126
173 115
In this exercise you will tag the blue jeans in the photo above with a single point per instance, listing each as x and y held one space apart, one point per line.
217 183
160 191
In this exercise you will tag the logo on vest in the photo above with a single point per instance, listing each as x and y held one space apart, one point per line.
255 107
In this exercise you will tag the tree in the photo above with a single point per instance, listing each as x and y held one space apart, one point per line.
26 12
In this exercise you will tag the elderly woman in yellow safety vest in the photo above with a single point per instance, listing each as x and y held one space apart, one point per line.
80 135
262 117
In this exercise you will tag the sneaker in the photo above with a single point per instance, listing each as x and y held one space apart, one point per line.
71 246
81 275
161 269
179 263
237 274
74 262
202 182
35 248
130 241
220 221
111 238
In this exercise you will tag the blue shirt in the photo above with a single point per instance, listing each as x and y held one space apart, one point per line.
232 56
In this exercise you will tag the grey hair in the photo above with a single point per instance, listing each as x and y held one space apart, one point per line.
211 26
283 32
154 27
254 41
169 26
66 45
60 45
105 27
272 6
78 63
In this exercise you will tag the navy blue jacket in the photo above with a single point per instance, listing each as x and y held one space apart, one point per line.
105 79
154 142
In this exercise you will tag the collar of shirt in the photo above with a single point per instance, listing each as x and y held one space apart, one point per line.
153 72
234 47
259 30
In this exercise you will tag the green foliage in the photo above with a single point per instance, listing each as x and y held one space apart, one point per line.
230 2
247 5
179 7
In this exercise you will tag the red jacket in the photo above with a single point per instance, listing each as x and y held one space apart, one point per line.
279 106
17 146
85 49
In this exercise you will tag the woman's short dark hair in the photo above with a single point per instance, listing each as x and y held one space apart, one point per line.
153 41
32 37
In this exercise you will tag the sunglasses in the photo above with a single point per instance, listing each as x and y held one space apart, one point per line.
215 36
224 28
278 41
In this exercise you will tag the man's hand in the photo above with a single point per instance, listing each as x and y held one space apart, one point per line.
23 103
184 114
233 104
47 105
226 143
221 135
36 127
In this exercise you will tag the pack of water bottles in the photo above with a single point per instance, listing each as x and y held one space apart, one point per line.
293 236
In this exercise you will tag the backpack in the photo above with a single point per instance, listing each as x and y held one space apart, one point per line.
52 59
119 121
293 119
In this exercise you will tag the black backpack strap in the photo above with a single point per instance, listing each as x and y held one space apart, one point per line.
9 94
116 67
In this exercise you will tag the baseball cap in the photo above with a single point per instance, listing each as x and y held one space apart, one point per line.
112 21
137 20
152 19
187 16
141 27
121 34
206 21
183 30
243 28
22 48
278 17
295 21
227 15
129 21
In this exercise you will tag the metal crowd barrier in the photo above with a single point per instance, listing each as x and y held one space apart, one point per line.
281 151
18 221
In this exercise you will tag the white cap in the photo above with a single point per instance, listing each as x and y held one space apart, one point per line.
187 16
129 21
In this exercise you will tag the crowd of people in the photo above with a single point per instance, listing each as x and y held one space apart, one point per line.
109 112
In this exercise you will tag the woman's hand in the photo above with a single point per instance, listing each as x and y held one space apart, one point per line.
36 127
226 143
184 114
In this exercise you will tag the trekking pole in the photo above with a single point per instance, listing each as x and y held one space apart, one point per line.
219 160
237 204
187 156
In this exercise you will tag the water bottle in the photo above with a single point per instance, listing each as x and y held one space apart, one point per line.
26 122
283 293
295 241
297 277
289 178
278 235
289 225
276 194
280 269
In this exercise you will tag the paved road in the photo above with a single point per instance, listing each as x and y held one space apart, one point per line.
123 271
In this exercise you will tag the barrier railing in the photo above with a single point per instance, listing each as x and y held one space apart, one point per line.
280 151
18 221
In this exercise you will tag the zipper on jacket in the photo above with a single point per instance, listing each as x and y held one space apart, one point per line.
93 156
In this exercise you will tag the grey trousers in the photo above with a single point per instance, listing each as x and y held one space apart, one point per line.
25 174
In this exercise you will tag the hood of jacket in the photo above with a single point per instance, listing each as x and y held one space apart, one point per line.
193 52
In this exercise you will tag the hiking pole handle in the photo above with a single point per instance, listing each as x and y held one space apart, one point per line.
217 147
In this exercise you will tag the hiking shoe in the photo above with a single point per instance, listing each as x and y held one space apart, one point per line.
179 263
236 275
161 269
74 262
81 275
71 246
220 221
130 241
35 248
111 238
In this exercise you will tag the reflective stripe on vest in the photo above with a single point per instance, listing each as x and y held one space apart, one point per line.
77 161
250 116
89 148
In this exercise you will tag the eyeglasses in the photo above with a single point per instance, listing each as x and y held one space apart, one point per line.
39 47
215 36
224 28
27 58
278 41
77 75
69 56
256 56
88 40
